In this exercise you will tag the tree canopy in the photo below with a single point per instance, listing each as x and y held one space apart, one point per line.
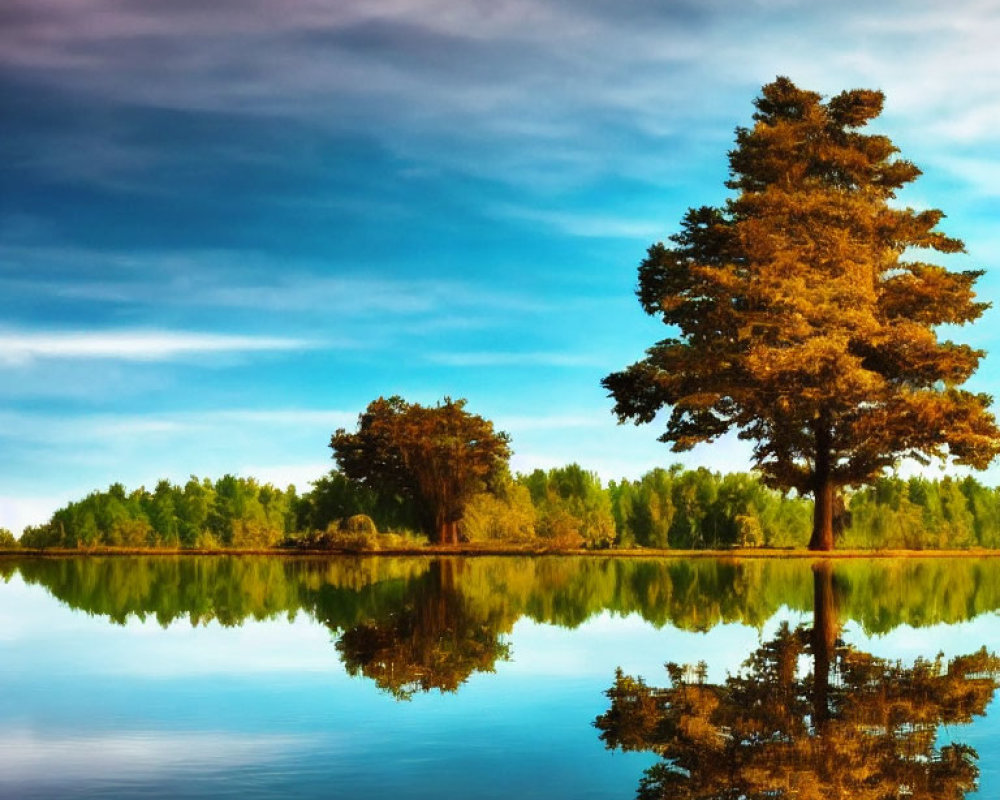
804 317
438 456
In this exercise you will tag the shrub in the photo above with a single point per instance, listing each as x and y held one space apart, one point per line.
360 524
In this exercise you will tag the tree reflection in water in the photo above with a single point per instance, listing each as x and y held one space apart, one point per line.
417 624
435 640
854 726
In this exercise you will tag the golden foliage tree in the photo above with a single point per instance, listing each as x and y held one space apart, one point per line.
803 318
437 456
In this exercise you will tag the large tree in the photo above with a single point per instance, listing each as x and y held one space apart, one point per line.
803 315
438 456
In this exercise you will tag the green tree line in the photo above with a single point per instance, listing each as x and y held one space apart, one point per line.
229 513
564 507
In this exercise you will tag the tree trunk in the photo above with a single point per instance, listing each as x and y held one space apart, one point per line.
823 492
822 533
826 626
447 531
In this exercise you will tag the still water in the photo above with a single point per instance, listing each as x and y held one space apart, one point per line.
191 677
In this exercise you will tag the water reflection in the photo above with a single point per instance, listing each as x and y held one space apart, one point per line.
847 725
417 624
435 640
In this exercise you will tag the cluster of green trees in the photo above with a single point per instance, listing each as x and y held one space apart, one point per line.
230 513
703 509
919 514
564 507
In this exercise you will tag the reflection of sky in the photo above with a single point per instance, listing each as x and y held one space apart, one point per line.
266 708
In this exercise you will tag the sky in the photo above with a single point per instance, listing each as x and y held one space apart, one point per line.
226 227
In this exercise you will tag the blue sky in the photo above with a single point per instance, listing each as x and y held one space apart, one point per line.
226 227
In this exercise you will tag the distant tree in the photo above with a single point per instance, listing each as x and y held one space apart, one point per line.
439 457
7 540
802 322
39 537
163 513
506 514
334 497
192 511
572 507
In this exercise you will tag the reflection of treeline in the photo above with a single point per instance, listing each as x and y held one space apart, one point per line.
562 507
343 593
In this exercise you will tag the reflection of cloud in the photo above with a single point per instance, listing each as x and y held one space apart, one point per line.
131 345
37 758
606 641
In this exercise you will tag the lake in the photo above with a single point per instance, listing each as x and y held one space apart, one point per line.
489 677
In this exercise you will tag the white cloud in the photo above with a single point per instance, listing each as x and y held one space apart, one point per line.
107 427
490 358
281 475
590 226
980 174
18 348
16 512
547 422
244 280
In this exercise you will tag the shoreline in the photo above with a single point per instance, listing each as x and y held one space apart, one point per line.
494 551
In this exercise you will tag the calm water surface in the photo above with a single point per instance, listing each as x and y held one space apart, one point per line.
188 677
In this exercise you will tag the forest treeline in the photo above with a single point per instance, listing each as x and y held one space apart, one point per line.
566 507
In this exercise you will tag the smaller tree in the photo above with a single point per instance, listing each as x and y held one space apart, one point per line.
7 540
439 457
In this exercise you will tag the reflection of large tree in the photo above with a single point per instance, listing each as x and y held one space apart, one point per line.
434 640
856 726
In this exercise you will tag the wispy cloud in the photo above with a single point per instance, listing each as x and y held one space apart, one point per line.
282 475
108 428
18 511
548 422
18 348
589 225
492 358
239 279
